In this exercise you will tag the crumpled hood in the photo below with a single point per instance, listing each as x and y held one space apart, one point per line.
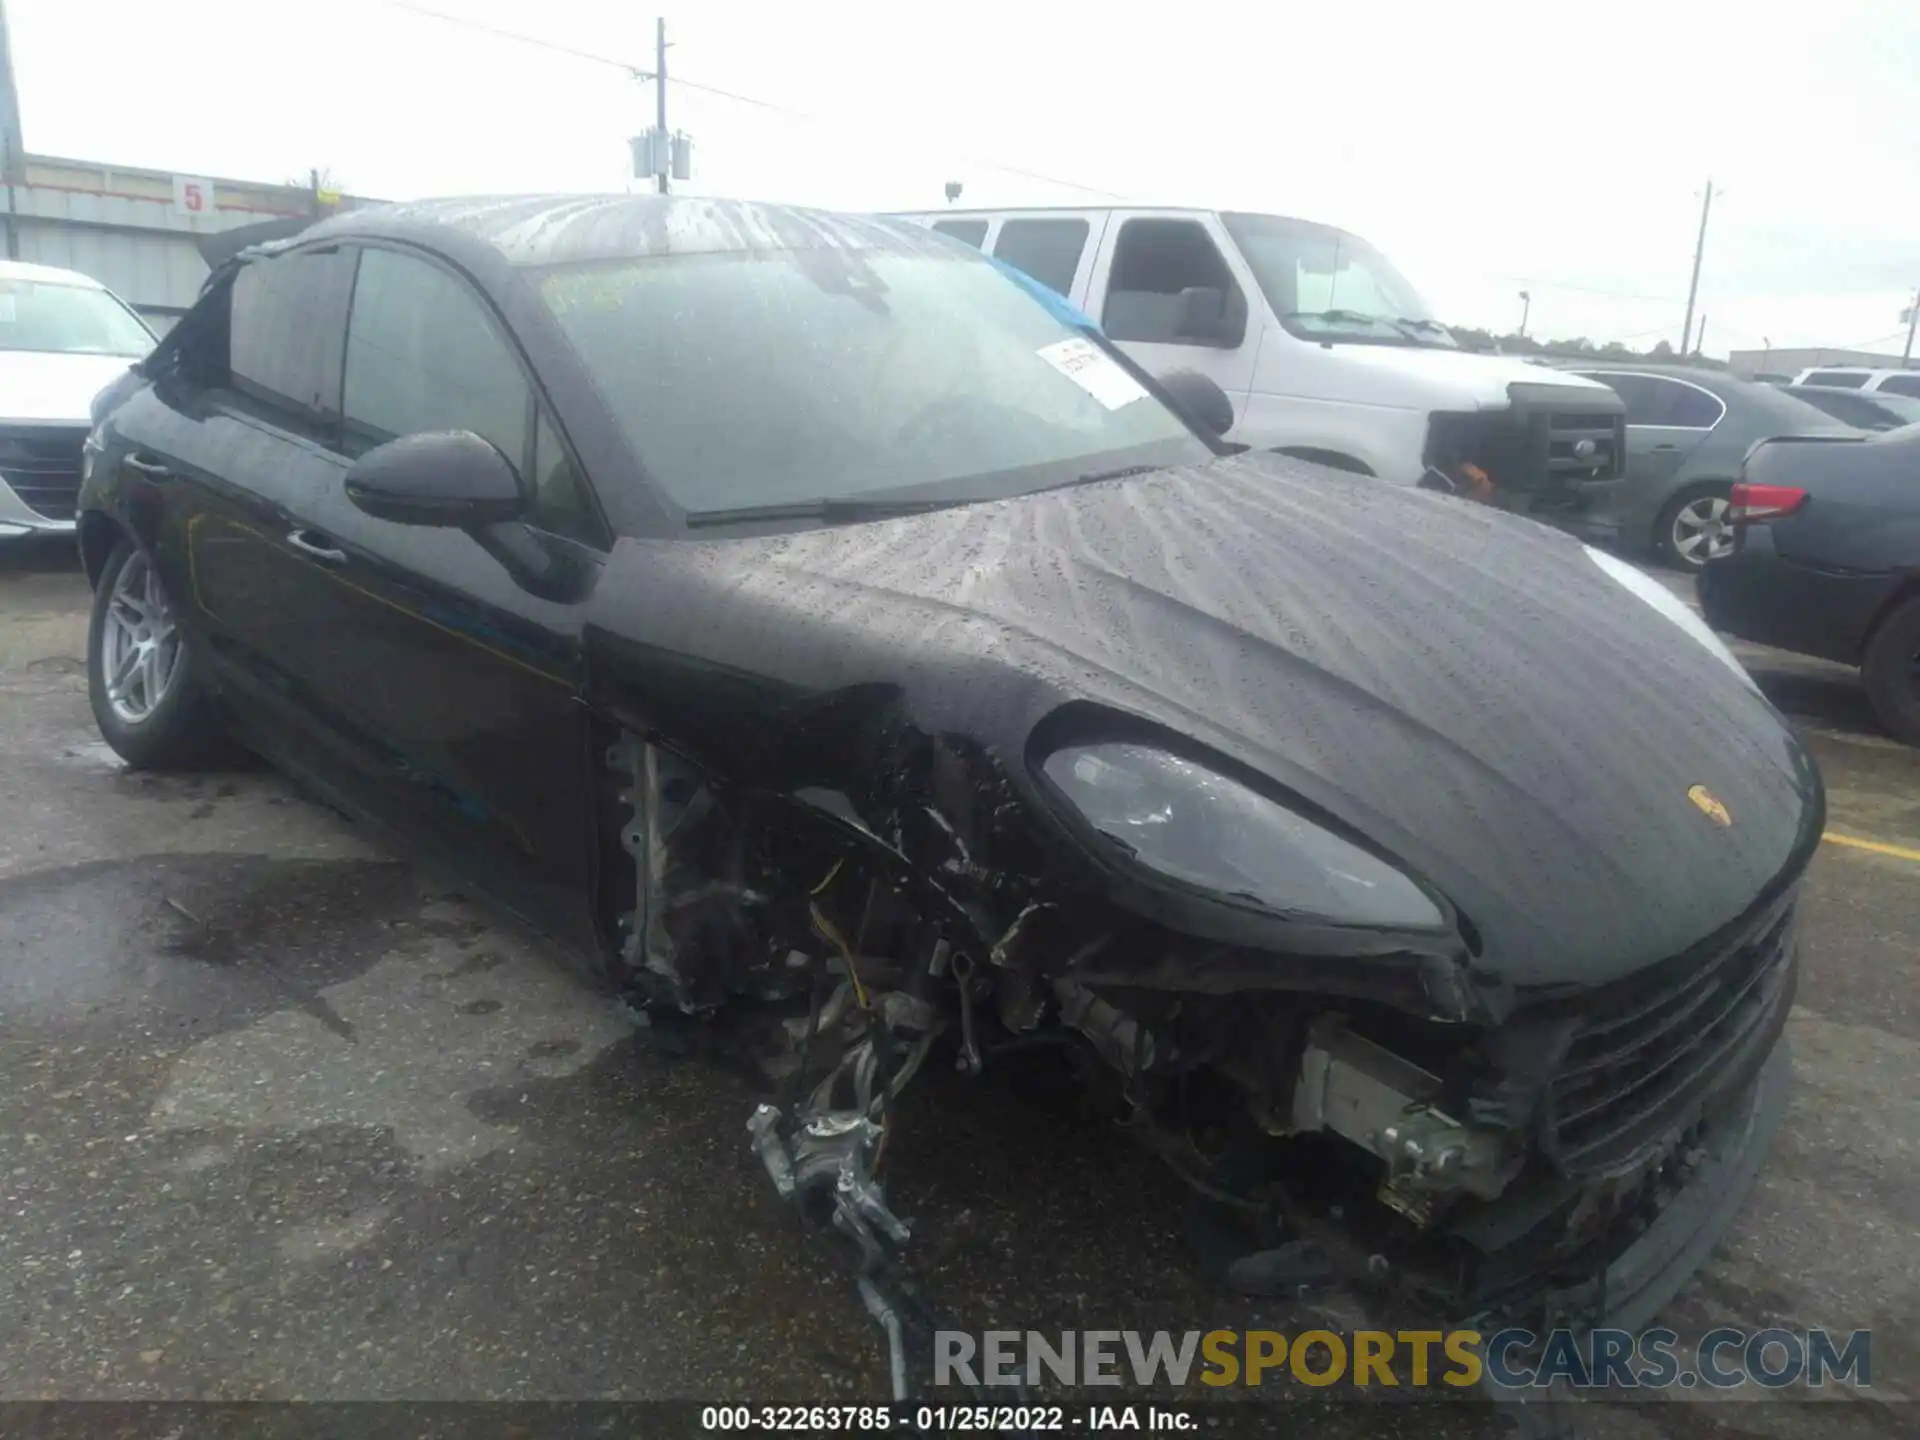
1464 686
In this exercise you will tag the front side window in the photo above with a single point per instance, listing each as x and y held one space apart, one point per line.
1844 379
283 333
899 365
1324 283
1656 400
59 319
1169 285
1048 250
1908 385
423 354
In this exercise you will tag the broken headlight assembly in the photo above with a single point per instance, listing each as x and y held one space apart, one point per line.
1188 823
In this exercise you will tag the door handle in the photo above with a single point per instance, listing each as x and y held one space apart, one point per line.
316 546
1666 447
152 469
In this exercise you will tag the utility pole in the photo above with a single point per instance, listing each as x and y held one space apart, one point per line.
1526 309
1913 316
660 97
1700 336
1699 249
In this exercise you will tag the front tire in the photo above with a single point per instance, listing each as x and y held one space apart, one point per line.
143 677
1891 669
1693 529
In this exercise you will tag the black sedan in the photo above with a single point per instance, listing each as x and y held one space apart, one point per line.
827 640
1826 562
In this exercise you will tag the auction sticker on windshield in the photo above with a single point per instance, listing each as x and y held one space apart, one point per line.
1093 370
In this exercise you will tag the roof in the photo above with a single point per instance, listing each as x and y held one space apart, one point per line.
568 229
1699 373
47 274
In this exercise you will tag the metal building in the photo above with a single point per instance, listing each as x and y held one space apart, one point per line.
1754 364
139 232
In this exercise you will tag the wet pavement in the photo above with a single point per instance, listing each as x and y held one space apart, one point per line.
282 1117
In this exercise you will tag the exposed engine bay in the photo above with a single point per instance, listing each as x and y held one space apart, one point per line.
1453 1152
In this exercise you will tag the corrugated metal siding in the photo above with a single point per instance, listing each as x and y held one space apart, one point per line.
153 270
119 226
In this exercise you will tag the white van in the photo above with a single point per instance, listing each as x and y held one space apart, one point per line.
1324 349
63 337
1853 377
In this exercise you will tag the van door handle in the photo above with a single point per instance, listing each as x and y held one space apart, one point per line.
316 546
152 469
1666 446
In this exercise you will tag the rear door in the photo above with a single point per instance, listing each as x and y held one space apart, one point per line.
1145 266
220 460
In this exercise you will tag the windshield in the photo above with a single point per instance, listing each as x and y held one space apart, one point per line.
1324 283
68 319
908 367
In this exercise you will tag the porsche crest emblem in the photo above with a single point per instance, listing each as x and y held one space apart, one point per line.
1710 806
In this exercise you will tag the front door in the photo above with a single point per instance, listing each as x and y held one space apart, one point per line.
453 659
1154 289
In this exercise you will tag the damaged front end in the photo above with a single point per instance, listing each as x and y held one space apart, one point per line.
1363 1109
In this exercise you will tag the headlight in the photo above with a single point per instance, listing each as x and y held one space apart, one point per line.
1186 822
1669 605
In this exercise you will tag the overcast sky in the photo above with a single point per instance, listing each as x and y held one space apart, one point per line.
1555 145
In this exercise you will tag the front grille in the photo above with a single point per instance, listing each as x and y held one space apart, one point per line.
1586 446
1645 1049
41 464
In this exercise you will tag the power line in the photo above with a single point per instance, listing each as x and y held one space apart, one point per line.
639 72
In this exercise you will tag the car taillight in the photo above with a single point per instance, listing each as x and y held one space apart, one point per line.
1749 503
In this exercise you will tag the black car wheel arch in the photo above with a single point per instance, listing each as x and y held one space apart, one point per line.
1891 669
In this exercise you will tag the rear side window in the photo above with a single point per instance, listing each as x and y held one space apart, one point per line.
423 354
1901 385
284 332
1656 400
1047 250
1154 263
1844 379
967 232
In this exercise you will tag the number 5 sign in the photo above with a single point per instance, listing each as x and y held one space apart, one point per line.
191 196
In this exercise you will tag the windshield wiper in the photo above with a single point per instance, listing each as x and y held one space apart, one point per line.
1414 324
1094 477
843 509
1341 317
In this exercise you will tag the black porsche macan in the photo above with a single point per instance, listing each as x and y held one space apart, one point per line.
795 616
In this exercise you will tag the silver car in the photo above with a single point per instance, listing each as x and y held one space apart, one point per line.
63 338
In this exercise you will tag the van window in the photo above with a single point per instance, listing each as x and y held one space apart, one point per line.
1048 250
1153 262
967 232
1846 379
1901 385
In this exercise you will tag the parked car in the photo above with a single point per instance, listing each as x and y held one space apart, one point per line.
1862 409
1327 352
1851 377
822 638
1826 562
1688 429
63 336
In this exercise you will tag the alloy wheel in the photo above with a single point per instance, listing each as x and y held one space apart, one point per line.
1700 530
139 642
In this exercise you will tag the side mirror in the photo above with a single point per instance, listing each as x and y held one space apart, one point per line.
1200 399
1203 314
441 477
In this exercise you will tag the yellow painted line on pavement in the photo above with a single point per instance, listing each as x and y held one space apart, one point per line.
1878 847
